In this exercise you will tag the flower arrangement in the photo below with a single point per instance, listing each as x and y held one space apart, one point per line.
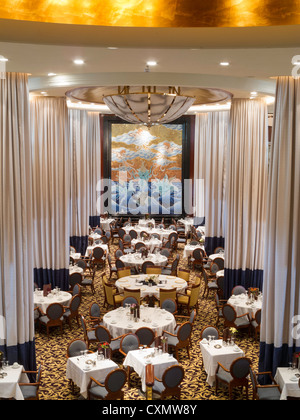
104 345
154 279
232 330
253 292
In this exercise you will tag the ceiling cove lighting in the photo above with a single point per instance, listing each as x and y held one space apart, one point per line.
78 61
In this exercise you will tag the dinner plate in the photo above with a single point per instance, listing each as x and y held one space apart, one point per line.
155 324
169 318
129 326
179 281
236 350
294 379
113 322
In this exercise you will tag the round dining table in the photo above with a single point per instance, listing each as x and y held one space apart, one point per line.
150 244
54 296
136 259
119 322
163 282
243 304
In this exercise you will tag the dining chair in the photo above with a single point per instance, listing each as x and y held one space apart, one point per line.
89 280
153 269
95 314
118 253
76 290
112 389
169 305
238 290
220 262
145 265
231 319
183 274
123 272
75 278
221 286
269 392
98 257
136 293
133 234
88 333
181 339
72 311
138 246
131 300
103 335
219 306
75 347
171 269
209 284
146 336
169 384
190 298
111 295
30 390
167 294
218 249
196 259
235 376
128 343
209 330
112 268
53 317
255 323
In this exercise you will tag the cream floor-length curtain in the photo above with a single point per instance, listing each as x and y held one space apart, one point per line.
51 190
85 170
245 195
211 135
280 332
16 258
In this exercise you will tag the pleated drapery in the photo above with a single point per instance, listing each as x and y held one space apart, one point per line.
51 190
280 334
245 194
85 170
16 258
211 136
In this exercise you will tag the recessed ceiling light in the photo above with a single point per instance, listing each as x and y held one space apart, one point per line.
151 63
44 93
224 63
51 74
2 59
112 48
253 93
78 61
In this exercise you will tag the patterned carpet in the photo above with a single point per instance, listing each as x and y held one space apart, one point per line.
52 353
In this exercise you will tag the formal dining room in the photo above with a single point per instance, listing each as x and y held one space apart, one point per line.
150 196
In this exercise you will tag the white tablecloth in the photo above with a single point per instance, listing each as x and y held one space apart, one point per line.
220 273
76 370
211 356
135 260
118 321
218 255
75 255
163 233
75 269
137 359
189 249
9 385
149 244
89 250
242 305
135 282
105 223
144 222
43 302
287 382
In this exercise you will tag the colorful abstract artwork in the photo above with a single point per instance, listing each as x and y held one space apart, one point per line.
146 169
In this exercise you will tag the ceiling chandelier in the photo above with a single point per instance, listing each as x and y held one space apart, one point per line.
148 105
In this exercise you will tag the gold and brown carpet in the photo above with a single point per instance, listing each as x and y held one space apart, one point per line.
52 353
